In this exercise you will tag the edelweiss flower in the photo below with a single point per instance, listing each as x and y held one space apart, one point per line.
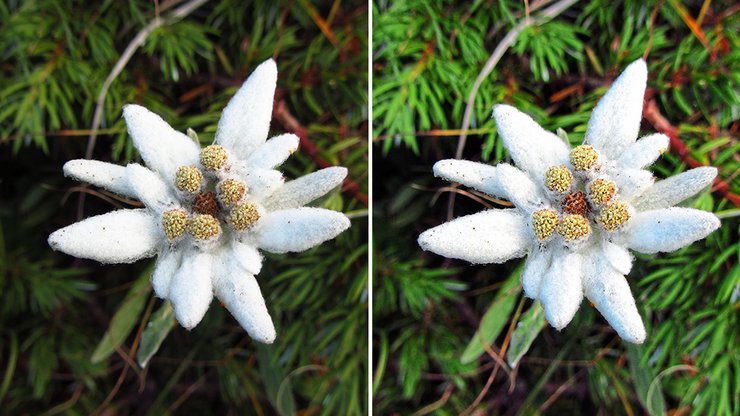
576 212
207 212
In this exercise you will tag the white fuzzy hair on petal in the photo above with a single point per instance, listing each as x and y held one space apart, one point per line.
105 175
492 236
643 152
671 191
666 230
248 257
149 188
476 175
615 122
245 122
168 263
611 295
191 290
239 291
301 191
122 236
561 290
261 183
535 266
273 152
617 256
517 187
532 148
631 183
298 229
163 148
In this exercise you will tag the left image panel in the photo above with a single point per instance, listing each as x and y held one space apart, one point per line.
183 207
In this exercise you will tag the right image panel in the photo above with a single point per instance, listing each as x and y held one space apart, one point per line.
555 207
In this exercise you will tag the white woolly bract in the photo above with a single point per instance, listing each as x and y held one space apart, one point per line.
618 257
643 152
517 187
245 122
671 191
105 175
537 263
240 293
610 293
261 183
631 183
273 152
615 122
163 148
299 229
476 175
561 290
532 148
301 191
191 290
666 230
168 263
149 188
122 236
249 257
492 236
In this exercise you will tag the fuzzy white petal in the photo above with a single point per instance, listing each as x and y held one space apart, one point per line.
632 183
615 122
617 256
261 183
249 257
561 291
301 191
671 191
240 293
537 263
476 175
643 152
532 148
122 236
162 148
492 236
191 290
105 175
666 230
168 263
517 187
299 229
245 121
273 152
149 188
610 293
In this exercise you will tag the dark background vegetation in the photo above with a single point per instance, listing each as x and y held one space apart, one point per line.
426 57
55 309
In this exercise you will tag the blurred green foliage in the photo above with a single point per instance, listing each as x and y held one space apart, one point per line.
55 309
426 57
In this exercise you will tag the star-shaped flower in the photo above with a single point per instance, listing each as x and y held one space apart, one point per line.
207 211
577 211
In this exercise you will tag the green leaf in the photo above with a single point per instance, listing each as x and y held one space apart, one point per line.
280 395
643 377
525 333
494 320
156 331
124 319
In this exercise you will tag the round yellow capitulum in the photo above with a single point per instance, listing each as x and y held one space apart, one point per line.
601 191
544 223
203 227
231 191
174 223
574 226
583 157
213 157
244 216
558 178
613 216
188 179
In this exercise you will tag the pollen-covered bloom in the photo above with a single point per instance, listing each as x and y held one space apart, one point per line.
207 211
577 211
